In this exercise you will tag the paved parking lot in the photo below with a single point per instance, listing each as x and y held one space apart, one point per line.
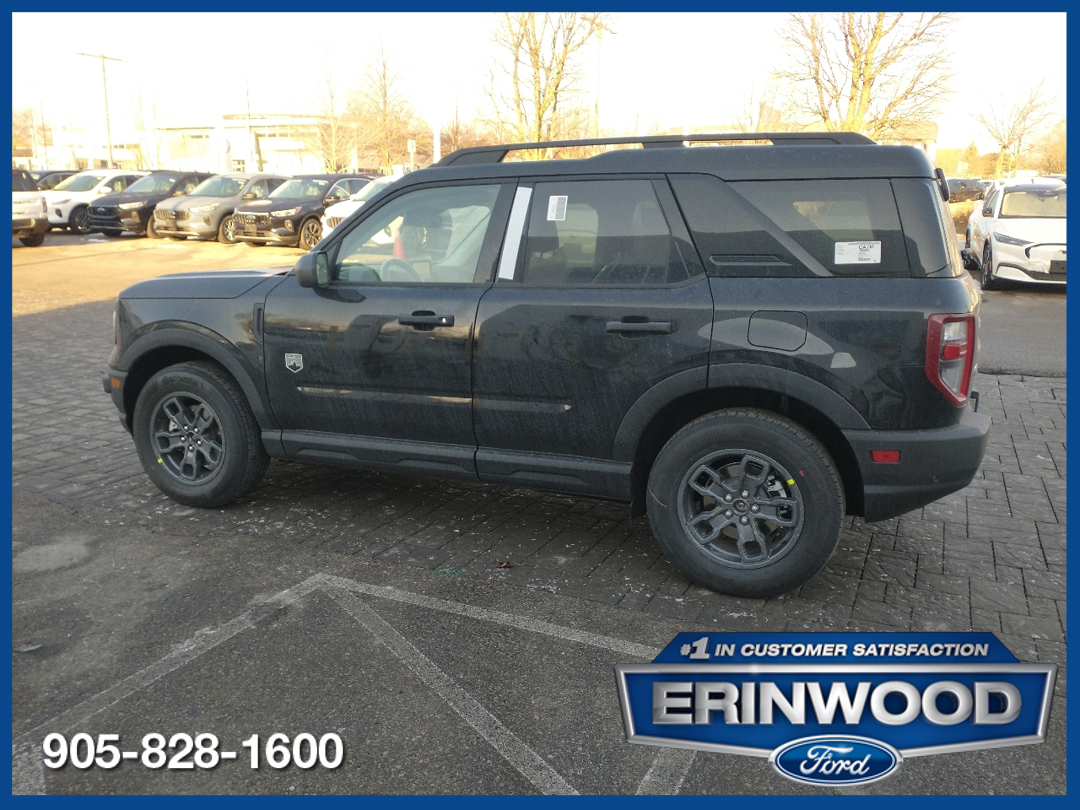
111 579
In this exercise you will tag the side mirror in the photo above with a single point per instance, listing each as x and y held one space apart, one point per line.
251 195
312 270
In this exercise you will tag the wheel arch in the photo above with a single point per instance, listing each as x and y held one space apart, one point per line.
665 409
166 347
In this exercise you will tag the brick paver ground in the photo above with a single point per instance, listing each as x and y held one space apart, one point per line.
991 557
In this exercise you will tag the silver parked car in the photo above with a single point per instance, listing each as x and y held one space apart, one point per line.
207 210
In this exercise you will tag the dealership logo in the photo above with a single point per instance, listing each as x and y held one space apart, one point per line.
836 708
835 760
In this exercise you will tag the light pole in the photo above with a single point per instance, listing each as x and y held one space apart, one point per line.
105 89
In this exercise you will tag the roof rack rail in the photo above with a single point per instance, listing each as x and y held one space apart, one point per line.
474 155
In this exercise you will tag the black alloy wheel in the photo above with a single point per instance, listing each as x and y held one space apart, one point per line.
310 234
746 503
79 222
196 436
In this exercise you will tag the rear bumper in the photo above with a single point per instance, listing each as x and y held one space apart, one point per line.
933 464
29 227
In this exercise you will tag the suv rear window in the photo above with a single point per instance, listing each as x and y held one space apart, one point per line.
22 181
850 226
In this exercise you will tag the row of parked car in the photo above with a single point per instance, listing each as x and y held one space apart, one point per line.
257 209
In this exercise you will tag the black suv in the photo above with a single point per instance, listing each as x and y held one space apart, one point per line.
747 342
292 214
133 208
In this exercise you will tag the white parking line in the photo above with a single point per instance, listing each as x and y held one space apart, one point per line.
668 770
665 775
526 761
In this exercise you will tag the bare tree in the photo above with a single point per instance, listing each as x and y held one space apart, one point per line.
336 133
1051 150
458 134
874 73
762 111
22 132
1012 122
387 119
534 95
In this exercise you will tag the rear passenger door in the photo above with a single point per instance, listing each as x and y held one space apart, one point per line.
599 298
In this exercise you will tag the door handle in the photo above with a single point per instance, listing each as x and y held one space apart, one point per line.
639 327
425 319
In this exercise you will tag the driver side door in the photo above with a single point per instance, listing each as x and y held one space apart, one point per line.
383 352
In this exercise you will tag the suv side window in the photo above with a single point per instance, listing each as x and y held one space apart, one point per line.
188 184
272 183
259 188
338 193
428 235
851 227
599 232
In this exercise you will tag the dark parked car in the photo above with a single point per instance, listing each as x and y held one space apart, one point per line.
48 178
133 208
292 214
963 189
747 342
207 210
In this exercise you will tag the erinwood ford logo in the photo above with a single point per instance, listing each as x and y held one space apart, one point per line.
836 708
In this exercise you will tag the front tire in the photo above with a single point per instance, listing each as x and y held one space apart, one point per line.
226 233
310 234
986 276
112 232
196 436
745 503
79 221
151 230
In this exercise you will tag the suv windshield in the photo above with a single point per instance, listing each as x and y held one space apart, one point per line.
79 182
301 188
372 188
1034 203
154 184
218 187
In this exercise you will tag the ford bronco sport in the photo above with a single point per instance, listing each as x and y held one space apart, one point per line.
744 341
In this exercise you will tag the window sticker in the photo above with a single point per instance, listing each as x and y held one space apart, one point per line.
857 253
557 208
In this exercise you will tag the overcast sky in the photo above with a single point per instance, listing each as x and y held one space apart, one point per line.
668 69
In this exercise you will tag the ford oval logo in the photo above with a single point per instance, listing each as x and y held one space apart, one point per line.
835 760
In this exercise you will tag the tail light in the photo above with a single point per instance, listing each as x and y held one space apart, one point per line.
950 354
44 208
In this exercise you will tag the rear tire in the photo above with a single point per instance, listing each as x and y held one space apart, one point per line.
745 503
35 240
196 436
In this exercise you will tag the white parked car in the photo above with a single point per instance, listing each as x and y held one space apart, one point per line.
1018 233
28 222
69 201
334 214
